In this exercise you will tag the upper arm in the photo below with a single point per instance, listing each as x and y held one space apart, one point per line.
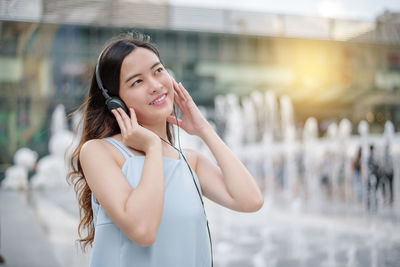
106 180
212 181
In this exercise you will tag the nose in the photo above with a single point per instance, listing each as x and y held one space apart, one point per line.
155 85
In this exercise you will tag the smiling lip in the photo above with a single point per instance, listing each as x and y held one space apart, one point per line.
157 98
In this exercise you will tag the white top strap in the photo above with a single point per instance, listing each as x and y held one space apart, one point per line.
120 146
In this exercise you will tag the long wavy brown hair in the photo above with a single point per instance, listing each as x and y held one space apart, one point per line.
99 123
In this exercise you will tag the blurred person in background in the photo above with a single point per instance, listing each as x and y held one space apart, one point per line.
325 170
387 173
373 179
357 175
139 200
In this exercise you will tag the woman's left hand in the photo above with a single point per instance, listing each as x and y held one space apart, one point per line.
193 122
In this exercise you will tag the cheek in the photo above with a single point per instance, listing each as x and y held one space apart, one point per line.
141 115
132 99
123 94
139 118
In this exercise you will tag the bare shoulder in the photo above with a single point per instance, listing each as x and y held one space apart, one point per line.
92 147
104 151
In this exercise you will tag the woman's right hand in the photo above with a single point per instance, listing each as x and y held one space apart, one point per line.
133 134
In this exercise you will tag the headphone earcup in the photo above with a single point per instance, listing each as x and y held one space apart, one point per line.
115 102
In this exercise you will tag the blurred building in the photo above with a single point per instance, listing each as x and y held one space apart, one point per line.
331 68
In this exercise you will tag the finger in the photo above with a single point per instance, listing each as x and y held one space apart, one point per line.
178 101
133 116
125 119
119 121
174 120
179 91
122 123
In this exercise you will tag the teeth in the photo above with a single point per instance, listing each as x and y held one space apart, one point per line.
158 100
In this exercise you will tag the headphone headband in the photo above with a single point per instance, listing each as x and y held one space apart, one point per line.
111 102
98 79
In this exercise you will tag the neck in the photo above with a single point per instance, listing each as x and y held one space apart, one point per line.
160 129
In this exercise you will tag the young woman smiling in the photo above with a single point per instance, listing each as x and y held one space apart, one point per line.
140 197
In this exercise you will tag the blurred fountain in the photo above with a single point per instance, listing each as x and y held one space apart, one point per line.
334 159
347 152
52 169
317 171
250 123
258 116
234 130
58 120
309 169
311 154
249 120
228 112
17 175
268 132
271 125
290 147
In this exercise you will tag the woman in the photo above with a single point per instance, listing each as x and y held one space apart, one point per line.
139 201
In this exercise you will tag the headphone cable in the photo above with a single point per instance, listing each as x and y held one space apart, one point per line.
198 191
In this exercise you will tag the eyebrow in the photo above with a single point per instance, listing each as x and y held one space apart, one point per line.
133 76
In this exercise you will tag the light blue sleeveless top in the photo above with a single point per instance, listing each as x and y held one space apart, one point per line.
182 239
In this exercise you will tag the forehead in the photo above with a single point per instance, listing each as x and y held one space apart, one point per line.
138 61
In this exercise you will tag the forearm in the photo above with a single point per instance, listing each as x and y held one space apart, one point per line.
146 201
237 179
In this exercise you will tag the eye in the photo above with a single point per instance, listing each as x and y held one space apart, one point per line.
160 69
136 82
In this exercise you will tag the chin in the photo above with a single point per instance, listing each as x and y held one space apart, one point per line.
165 111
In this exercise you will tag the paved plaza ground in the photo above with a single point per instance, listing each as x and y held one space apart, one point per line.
39 228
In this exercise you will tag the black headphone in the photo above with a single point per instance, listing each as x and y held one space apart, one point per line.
111 102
